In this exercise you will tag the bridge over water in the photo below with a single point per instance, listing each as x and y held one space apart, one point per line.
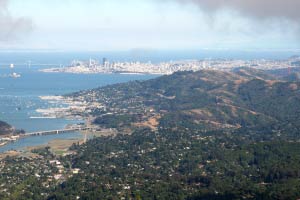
52 132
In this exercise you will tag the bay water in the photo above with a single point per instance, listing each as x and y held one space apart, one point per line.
19 97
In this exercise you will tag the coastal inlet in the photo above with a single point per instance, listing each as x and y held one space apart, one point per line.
65 109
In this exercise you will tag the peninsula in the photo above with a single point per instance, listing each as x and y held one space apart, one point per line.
94 66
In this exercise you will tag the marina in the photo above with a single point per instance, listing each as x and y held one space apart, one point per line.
21 98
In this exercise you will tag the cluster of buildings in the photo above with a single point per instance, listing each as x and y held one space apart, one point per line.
61 171
94 66
46 169
71 110
5 139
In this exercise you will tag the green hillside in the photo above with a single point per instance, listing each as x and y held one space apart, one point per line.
207 100
188 136
5 128
220 135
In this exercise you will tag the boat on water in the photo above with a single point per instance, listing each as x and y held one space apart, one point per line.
2 144
15 75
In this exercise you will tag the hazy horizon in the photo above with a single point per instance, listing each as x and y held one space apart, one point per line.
148 25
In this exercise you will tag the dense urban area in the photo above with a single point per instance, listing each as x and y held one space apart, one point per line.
93 66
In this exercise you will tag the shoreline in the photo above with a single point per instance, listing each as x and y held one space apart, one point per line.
59 146
65 108
57 107
62 110
52 70
24 149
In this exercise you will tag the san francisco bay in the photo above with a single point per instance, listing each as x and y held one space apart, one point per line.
19 99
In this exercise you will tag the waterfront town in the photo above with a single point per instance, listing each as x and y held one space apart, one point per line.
84 106
60 107
5 139
94 66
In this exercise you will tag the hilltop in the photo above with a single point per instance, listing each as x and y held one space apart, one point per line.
190 135
193 135
5 128
206 100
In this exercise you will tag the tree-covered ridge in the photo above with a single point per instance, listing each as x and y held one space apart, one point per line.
183 164
5 128
194 135
205 99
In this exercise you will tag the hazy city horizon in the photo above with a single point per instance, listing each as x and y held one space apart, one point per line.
149 99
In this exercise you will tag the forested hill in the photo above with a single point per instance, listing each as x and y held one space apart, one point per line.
5 128
193 136
207 100
211 135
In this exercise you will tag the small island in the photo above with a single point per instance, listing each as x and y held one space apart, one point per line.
8 133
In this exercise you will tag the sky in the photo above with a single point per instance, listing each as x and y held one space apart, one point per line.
117 25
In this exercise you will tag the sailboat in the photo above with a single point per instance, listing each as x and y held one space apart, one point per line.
14 74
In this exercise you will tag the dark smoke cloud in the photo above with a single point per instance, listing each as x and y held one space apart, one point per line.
12 28
264 9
